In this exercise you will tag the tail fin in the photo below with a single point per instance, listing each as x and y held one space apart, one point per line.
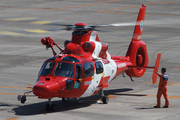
137 51
139 24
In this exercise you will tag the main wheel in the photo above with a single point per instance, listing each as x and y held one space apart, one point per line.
53 107
48 107
105 99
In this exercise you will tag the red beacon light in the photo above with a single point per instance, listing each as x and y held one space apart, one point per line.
81 24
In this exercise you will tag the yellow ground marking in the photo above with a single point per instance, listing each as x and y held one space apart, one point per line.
20 19
85 5
41 22
10 33
128 7
9 93
37 31
12 119
14 87
170 97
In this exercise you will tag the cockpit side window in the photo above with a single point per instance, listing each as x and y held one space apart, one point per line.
47 68
64 69
78 76
88 69
78 71
99 67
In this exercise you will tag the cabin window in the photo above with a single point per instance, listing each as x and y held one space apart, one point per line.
77 84
99 67
88 69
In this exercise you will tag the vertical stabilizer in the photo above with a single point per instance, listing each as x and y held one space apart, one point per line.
137 51
139 24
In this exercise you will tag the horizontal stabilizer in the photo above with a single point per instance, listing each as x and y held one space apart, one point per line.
156 68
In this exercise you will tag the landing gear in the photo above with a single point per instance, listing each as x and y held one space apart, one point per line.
104 98
22 98
50 107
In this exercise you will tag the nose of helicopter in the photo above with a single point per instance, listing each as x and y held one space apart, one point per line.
44 89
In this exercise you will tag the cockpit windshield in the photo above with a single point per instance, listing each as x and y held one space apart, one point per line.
64 69
47 68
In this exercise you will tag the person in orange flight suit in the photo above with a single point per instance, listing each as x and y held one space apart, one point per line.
162 89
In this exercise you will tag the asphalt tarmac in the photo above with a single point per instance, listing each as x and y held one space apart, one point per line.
24 23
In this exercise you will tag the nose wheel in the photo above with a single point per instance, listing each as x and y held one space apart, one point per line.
22 98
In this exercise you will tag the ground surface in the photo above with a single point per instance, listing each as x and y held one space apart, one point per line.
22 25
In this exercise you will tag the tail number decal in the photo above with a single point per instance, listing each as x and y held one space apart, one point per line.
122 65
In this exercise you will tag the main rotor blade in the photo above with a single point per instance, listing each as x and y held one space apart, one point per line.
115 25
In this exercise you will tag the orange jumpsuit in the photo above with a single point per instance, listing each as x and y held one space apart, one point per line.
162 90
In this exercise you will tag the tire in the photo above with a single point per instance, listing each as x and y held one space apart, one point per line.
105 99
23 99
47 107
53 107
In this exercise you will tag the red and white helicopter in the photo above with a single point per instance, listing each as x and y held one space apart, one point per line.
84 68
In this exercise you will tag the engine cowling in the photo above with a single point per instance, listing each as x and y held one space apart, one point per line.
138 55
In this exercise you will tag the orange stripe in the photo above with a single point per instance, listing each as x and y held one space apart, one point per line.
14 87
9 93
25 8
85 5
111 96
170 97
176 68
128 7
12 119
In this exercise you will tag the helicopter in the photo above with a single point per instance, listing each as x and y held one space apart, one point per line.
85 67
